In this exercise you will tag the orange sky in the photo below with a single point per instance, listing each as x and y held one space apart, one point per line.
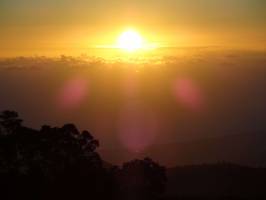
55 27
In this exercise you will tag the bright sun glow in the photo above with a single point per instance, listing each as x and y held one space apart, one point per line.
130 40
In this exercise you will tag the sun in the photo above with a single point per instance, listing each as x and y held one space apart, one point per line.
130 40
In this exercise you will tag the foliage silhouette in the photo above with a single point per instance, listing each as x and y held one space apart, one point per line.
62 163
141 179
9 121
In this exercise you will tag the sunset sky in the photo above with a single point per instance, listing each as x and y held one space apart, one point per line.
30 27
138 74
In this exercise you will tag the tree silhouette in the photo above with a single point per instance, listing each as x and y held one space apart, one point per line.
62 159
9 122
62 163
141 179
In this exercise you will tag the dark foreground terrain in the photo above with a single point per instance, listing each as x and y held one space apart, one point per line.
62 163
219 181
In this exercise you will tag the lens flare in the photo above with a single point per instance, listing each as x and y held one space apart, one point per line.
73 93
137 128
188 93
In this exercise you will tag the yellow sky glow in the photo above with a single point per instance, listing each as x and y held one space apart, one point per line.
51 28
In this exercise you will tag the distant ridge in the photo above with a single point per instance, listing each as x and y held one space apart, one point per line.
244 149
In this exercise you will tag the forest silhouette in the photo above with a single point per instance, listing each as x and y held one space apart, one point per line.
63 163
